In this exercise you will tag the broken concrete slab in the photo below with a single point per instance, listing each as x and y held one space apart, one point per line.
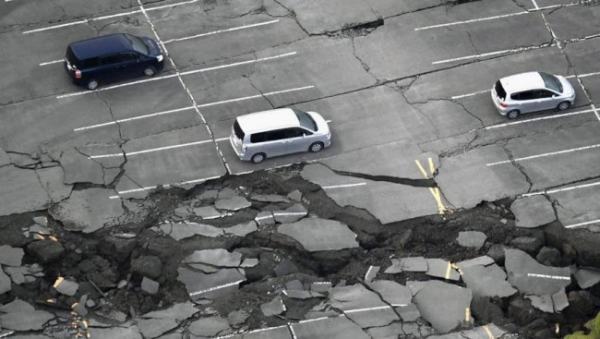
380 316
241 230
473 239
179 312
392 292
315 234
11 256
440 268
330 328
216 257
411 264
587 277
273 307
443 305
409 313
542 302
130 332
152 328
487 281
532 211
354 297
531 277
5 282
66 286
274 198
290 214
21 316
265 218
199 284
207 212
234 203
482 261
210 327
184 230
149 286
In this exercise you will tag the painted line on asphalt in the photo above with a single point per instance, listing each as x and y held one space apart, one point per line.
582 224
435 191
235 283
256 96
483 55
52 62
454 23
287 213
331 187
543 155
546 276
178 74
488 332
469 94
149 188
151 150
9 333
562 189
375 308
554 116
145 116
368 271
292 332
226 30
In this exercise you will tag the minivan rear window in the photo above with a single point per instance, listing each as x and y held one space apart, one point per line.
238 131
71 58
500 92
306 120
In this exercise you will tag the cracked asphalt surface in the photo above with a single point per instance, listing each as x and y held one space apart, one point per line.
126 214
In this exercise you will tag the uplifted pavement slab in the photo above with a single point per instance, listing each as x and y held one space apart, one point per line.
376 317
131 332
234 203
354 297
315 234
487 281
21 316
216 257
440 268
392 292
11 256
210 327
532 211
209 285
410 264
474 239
179 312
531 277
184 230
330 328
89 210
290 214
483 260
587 278
152 328
489 331
443 305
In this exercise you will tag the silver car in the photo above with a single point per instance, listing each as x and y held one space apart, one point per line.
531 92
257 136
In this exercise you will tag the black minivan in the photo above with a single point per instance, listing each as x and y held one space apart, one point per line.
112 57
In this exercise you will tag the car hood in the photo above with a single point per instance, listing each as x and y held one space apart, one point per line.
568 89
322 125
153 48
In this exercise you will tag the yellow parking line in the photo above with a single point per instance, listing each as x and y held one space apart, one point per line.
421 169
435 191
431 167
448 271
488 332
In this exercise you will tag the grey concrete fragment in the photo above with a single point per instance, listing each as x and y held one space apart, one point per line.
484 260
528 244
392 292
381 316
216 257
443 305
531 277
131 332
415 286
291 214
316 234
301 294
147 265
241 230
237 318
275 198
440 268
179 312
542 302
249 262
152 328
587 277
483 332
199 284
207 212
331 328
354 297
210 327
295 195
409 264
41 220
5 282
66 287
471 239
265 218
371 273
150 286
532 211
180 231
11 256
487 281
273 307
560 300
21 316
409 313
234 203
226 193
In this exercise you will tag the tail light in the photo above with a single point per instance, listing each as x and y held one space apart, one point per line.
503 104
77 74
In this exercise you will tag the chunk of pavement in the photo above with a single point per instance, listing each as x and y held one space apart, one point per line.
443 305
149 286
21 316
392 292
473 239
183 212
275 198
409 313
354 297
207 212
179 312
321 286
295 195
210 327
233 204
241 230
249 262
301 294
315 234
180 231
483 332
440 268
147 265
273 307
560 301
380 316
89 210
415 286
11 256
46 250
542 302
5 282
330 328
531 277
483 260
371 273
199 284
409 264
216 257
265 218
532 211
66 286
549 256
587 277
290 214
487 281
41 220
131 332
530 245
152 328
237 318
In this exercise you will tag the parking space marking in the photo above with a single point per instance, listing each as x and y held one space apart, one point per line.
151 150
543 155
562 189
226 30
149 188
435 191
332 187
51 62
221 102
235 283
546 276
145 116
469 94
178 74
548 117
582 224
483 55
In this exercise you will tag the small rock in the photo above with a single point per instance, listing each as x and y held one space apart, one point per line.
587 278
528 244
295 195
150 286
249 262
11 256
496 252
273 307
149 266
41 220
65 286
46 251
549 256
471 239
183 212
122 284
237 318
560 301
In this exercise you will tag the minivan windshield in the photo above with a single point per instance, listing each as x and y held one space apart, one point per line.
306 120
137 44
551 82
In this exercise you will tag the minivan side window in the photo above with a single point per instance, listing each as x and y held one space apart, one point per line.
258 137
293 132
542 93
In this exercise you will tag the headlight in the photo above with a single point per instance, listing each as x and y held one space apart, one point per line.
160 58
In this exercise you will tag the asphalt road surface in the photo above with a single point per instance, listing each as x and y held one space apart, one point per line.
405 88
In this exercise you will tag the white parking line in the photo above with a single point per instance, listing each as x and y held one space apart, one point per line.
51 62
201 70
585 223
256 96
554 116
483 55
469 94
454 23
235 283
145 116
226 30
149 188
562 189
566 151
330 187
546 276
150 150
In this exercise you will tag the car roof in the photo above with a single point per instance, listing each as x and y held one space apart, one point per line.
268 120
102 45
522 82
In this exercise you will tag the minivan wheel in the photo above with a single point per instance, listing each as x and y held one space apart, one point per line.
563 105
513 114
92 84
150 71
316 147
258 158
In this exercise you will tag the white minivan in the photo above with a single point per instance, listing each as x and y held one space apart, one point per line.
261 135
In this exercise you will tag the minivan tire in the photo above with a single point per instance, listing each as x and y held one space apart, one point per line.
92 84
149 71
316 147
258 158
563 106
513 114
